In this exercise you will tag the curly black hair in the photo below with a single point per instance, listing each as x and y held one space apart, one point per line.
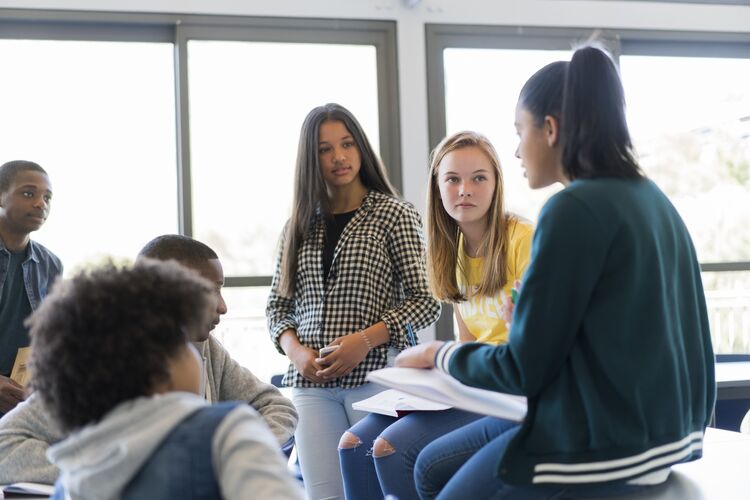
105 335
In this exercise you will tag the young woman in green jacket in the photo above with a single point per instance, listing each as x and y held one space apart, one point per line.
610 340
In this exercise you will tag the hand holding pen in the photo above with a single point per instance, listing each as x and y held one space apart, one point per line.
417 356
410 337
509 303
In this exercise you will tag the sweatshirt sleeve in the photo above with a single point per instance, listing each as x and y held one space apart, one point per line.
235 382
25 434
568 253
248 462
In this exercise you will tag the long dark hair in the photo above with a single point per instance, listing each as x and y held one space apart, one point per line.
310 189
586 96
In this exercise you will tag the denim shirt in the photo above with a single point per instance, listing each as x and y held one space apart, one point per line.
40 269
182 467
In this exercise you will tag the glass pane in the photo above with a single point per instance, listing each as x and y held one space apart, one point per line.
728 299
690 120
247 103
244 334
481 91
100 118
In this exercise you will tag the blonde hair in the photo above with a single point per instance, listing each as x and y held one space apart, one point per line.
443 232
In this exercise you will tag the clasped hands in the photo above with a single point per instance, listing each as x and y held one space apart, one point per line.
351 352
353 349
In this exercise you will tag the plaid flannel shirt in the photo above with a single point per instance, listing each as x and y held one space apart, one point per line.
377 274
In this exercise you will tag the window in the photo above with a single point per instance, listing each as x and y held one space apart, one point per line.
99 117
246 109
482 80
250 88
689 114
243 332
154 123
695 143
728 299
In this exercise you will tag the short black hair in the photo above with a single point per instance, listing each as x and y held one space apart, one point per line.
105 335
9 170
180 248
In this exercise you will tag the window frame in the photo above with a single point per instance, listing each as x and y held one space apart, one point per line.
619 41
381 34
179 29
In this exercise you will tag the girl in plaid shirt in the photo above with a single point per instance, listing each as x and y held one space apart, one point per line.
350 274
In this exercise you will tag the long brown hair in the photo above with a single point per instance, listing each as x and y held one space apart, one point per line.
443 232
310 192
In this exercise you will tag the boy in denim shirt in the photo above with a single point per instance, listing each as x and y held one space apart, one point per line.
122 375
27 269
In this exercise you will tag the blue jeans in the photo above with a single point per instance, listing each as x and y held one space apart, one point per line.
368 477
463 464
324 415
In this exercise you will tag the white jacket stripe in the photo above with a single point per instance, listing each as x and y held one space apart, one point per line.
586 472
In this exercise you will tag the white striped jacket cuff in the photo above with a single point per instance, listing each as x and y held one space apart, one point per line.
443 356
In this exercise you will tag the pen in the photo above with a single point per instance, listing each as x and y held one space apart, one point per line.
410 335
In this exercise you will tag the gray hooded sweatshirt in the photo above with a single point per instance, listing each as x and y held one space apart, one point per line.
98 461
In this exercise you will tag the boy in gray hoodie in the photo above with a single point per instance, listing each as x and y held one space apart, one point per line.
28 430
113 363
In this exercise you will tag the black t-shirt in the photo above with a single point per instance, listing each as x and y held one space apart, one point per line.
14 309
334 228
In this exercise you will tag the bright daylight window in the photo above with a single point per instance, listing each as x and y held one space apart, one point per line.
247 104
481 91
99 117
690 120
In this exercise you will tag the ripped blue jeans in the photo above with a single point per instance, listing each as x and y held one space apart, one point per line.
369 477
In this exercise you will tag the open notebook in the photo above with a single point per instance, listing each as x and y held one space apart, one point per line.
439 387
397 404
28 490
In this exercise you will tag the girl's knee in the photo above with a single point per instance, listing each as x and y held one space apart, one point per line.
382 448
349 441
422 469
423 481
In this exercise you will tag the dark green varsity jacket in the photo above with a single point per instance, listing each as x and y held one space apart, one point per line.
610 341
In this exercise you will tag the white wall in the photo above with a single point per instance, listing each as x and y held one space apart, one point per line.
411 42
